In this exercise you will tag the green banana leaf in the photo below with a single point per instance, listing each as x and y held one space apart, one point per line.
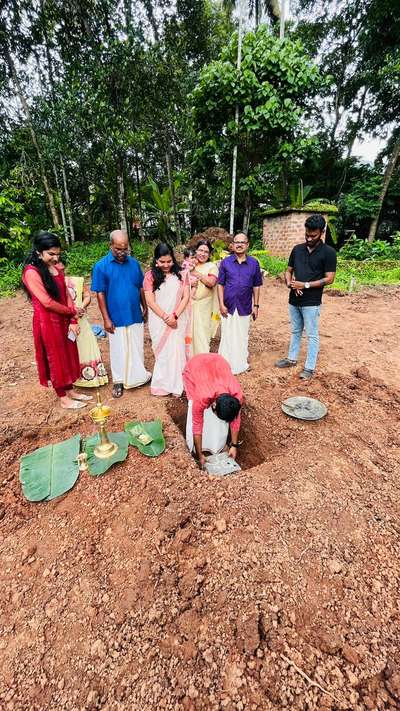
50 471
153 429
100 466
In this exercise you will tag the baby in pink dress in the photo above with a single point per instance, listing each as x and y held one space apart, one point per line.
188 263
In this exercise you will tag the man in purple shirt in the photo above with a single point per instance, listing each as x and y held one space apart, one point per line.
239 284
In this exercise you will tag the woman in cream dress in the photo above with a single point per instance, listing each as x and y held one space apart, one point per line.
205 315
92 371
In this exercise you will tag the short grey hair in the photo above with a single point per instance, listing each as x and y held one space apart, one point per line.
114 232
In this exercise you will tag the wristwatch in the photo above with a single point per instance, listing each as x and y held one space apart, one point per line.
306 284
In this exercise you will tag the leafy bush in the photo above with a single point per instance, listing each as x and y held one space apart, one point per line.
360 249
81 256
363 200
273 265
10 279
256 235
219 250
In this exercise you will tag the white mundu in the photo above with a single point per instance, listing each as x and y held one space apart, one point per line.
234 345
215 431
127 356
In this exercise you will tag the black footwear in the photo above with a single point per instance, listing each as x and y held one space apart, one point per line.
117 390
285 363
306 374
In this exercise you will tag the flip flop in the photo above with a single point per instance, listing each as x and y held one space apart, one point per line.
81 397
75 405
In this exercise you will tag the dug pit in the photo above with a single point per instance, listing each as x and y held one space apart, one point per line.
257 445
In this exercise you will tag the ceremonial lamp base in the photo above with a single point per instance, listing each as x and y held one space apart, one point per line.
105 449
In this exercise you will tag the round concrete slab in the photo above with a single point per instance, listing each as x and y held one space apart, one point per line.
304 408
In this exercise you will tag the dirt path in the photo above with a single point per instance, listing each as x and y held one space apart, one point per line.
157 587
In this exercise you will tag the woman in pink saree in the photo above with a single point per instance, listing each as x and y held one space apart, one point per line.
167 293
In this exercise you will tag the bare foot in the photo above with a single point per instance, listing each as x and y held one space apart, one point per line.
68 404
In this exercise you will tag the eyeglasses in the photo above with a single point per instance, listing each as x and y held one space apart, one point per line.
241 244
123 251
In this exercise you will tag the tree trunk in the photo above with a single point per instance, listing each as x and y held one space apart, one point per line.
247 211
53 95
352 138
63 220
394 157
235 148
67 201
282 21
128 16
26 110
148 5
86 184
139 192
121 199
173 201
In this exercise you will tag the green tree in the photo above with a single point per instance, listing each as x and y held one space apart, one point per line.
272 88
357 44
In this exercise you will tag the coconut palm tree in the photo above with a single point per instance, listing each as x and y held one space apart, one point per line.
256 8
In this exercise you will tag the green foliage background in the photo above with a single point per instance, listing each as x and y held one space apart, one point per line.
125 112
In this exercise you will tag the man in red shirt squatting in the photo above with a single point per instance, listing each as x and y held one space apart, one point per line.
215 398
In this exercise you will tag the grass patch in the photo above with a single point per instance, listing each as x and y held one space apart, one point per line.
369 273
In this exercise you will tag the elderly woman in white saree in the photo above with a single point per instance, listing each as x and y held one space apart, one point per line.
167 294
205 317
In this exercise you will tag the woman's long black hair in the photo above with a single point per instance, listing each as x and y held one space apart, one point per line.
42 242
162 250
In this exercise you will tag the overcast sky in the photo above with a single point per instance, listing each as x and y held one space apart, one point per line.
368 149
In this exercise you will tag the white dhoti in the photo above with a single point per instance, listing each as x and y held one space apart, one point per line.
215 431
127 356
234 345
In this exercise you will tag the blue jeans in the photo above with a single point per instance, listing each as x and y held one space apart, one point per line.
304 318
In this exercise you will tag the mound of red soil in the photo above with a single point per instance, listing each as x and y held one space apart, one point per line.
213 234
159 587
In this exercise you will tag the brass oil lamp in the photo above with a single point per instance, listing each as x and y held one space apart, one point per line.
99 415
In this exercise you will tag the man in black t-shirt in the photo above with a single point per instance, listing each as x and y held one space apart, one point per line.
311 266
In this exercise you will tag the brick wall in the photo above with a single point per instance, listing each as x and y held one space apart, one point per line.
283 230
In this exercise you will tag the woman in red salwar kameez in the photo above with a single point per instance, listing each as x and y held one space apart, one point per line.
54 320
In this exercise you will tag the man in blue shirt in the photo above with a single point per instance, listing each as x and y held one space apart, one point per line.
239 283
118 281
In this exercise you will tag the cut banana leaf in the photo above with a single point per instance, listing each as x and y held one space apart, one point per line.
50 471
100 466
152 430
